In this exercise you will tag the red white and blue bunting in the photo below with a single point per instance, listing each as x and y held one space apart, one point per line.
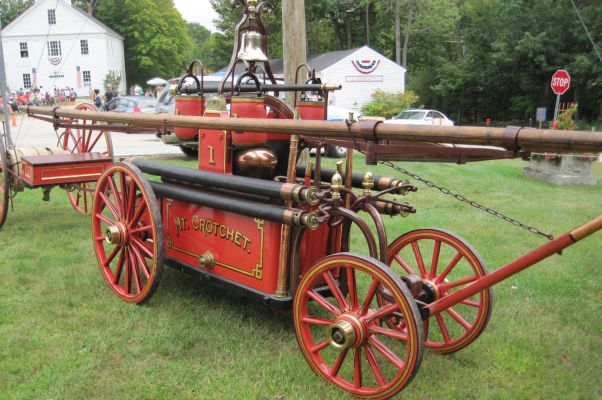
365 66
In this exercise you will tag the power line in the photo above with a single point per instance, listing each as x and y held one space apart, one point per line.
586 31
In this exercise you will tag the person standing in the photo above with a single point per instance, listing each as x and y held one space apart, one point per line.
97 98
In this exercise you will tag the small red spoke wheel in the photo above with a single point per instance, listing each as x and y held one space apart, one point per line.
128 233
4 183
339 330
446 263
85 140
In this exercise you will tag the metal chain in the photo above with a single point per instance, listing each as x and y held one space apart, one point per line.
473 203
449 192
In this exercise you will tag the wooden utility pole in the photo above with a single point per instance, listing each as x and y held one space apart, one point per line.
294 50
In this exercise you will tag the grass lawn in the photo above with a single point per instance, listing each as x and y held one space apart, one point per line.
65 335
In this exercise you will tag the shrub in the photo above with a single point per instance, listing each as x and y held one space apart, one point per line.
565 120
389 104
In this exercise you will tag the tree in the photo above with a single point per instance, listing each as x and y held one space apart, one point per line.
111 81
11 9
156 37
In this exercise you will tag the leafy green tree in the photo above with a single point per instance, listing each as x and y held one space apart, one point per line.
11 9
156 37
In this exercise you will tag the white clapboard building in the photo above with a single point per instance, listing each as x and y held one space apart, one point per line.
360 71
55 44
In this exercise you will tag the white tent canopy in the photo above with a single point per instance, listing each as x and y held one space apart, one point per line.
156 81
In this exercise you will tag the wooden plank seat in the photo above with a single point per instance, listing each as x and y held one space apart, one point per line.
56 169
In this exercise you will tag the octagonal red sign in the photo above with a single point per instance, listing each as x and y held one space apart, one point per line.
561 81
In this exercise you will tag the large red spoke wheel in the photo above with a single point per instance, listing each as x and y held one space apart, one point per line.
85 140
4 183
127 233
446 263
339 329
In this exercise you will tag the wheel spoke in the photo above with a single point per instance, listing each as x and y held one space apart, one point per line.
385 351
119 267
146 228
374 366
85 199
111 255
386 310
136 218
109 205
105 219
96 141
444 332
450 285
128 267
458 318
403 264
435 259
339 361
323 302
352 288
141 246
317 321
471 303
392 333
335 290
116 196
357 368
320 346
141 262
369 296
135 272
449 267
131 204
419 259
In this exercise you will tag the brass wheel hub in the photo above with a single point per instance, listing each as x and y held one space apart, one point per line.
347 332
116 234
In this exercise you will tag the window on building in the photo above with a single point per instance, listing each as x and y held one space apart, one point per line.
54 48
24 51
26 81
51 17
87 78
84 46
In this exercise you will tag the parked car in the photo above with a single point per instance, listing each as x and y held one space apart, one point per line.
166 102
421 117
131 104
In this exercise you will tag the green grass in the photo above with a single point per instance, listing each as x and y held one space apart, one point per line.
65 335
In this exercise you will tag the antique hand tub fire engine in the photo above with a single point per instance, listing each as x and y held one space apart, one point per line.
83 152
362 321
251 218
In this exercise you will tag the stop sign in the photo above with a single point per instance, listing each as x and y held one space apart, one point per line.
560 81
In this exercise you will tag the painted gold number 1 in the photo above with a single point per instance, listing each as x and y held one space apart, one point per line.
211 155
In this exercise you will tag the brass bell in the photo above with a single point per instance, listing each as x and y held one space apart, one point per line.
251 47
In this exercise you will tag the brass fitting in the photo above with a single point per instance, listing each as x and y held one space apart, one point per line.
336 185
368 183
207 260
310 220
311 196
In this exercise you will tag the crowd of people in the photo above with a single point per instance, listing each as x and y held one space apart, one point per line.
39 96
